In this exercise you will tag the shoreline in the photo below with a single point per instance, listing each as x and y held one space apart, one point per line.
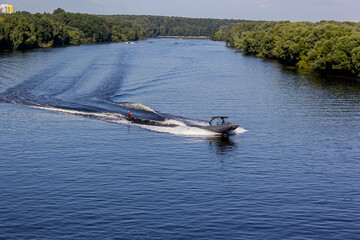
190 37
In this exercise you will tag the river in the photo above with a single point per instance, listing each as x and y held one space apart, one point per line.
71 166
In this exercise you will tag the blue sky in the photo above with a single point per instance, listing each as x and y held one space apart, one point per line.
293 10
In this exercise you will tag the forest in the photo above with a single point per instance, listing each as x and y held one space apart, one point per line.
328 47
176 26
23 30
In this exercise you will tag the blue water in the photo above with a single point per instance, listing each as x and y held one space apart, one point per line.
72 168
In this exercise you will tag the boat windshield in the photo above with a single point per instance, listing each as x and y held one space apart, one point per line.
220 120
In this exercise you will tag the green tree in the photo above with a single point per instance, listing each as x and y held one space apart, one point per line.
329 47
58 11
355 58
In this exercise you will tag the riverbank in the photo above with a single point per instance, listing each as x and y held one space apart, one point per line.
326 47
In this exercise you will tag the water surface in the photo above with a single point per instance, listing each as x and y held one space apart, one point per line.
72 168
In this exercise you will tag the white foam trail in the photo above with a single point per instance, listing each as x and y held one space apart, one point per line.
74 112
137 106
174 122
181 129
240 130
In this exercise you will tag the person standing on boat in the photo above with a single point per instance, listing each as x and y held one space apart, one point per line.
222 120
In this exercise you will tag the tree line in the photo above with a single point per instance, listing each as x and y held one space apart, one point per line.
326 46
23 30
176 26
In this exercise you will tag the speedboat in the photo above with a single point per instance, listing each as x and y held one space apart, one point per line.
221 126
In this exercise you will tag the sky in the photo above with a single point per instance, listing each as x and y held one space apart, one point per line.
293 10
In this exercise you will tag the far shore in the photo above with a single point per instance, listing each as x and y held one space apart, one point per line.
200 37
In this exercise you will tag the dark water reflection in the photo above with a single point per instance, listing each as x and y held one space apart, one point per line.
222 145
339 86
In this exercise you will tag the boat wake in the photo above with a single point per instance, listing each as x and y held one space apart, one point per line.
136 106
86 82
171 124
